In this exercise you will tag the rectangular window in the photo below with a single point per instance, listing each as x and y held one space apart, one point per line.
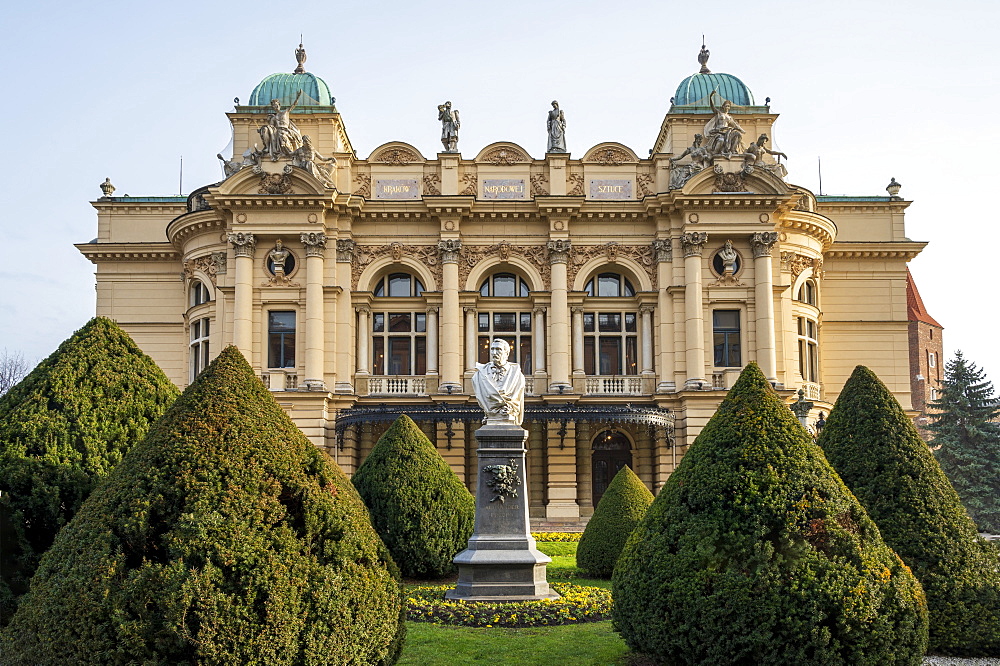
588 355
505 322
611 355
399 356
931 360
280 339
726 338
199 346
378 355
526 354
808 350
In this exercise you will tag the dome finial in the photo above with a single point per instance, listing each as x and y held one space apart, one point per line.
300 57
703 57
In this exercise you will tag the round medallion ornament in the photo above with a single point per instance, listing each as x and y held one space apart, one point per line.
241 217
764 217
313 219
693 217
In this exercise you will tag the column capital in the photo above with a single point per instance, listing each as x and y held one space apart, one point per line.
762 242
539 309
469 310
693 242
449 249
663 249
577 309
363 309
315 243
432 310
345 250
646 309
559 251
243 243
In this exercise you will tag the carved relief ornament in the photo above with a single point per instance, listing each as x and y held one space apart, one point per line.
431 182
577 189
536 255
609 156
645 183
449 249
538 182
693 242
366 254
663 249
364 188
795 263
505 155
729 182
559 251
243 243
612 251
345 250
395 156
470 184
273 183
762 242
315 243
211 265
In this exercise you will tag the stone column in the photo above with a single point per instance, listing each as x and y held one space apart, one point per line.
761 244
539 340
646 312
345 331
470 340
559 316
315 244
244 245
432 341
363 335
578 341
451 315
664 253
693 243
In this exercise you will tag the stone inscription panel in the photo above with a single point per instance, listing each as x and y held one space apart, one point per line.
405 188
504 188
603 188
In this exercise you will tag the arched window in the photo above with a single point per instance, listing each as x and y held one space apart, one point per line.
807 293
504 285
610 285
199 294
399 285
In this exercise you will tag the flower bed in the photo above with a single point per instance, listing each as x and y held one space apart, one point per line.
577 604
556 536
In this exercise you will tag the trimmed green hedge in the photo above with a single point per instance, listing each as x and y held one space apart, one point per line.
420 508
576 604
755 552
622 506
63 428
225 537
876 450
557 536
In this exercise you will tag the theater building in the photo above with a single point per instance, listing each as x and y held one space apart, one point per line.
632 289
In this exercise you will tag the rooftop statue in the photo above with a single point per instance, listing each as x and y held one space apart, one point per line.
499 386
108 189
725 136
754 157
700 159
280 135
449 127
308 158
556 126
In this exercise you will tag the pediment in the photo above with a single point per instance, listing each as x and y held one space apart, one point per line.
396 153
272 178
719 181
503 153
610 154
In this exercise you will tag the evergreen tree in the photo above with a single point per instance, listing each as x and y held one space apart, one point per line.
225 537
754 552
419 506
875 448
622 506
63 428
967 440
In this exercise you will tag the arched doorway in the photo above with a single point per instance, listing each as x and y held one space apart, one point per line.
611 453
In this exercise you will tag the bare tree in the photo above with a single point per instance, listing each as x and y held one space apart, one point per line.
13 369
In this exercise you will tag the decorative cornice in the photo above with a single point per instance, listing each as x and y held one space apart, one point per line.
315 243
243 243
875 250
693 242
98 252
762 242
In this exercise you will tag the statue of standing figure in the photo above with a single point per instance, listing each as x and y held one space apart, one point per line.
725 136
449 127
280 135
499 386
556 125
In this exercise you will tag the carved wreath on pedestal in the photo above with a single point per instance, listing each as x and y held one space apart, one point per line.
504 482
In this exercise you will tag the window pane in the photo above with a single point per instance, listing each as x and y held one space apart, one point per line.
608 284
525 321
484 322
734 350
631 356
399 322
526 354
630 322
589 289
719 345
802 360
204 328
588 323
378 356
504 321
287 350
418 287
608 321
280 321
420 362
588 356
801 325
421 323
611 356
629 290
727 319
380 288
524 289
503 285
194 330
378 322
484 350
811 328
399 284
399 356
484 289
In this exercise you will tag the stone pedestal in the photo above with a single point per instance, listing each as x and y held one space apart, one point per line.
501 562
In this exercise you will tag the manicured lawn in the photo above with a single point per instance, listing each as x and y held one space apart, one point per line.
583 644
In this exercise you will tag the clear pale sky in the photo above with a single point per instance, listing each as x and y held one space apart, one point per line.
123 89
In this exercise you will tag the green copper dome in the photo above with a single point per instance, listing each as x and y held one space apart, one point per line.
695 89
284 87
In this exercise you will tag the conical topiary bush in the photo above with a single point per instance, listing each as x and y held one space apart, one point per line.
876 450
418 504
622 506
225 537
755 552
63 428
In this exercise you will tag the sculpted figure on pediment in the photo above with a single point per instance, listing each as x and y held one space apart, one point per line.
725 135
280 135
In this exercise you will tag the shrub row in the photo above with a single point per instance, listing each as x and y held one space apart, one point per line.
576 604
556 536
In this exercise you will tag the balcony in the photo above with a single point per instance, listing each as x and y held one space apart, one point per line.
613 386
392 385
812 391
279 380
